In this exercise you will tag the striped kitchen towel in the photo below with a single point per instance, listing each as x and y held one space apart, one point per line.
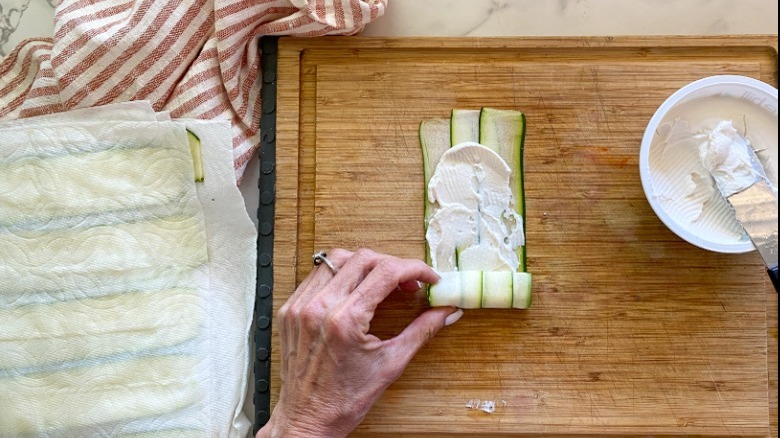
193 58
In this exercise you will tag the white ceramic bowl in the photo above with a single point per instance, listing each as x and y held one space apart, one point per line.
678 189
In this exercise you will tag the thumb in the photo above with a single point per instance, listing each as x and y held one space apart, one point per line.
407 343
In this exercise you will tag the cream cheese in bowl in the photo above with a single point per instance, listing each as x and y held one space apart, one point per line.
701 122
730 159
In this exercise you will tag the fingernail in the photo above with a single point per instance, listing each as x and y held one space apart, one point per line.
453 317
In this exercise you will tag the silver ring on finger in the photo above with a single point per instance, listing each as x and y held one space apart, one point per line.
320 257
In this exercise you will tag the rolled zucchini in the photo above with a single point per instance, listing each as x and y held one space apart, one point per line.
474 208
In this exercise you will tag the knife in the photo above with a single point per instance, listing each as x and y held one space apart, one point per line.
741 179
756 210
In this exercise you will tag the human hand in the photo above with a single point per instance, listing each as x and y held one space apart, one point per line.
332 369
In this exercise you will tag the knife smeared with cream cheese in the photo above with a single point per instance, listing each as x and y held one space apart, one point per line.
740 178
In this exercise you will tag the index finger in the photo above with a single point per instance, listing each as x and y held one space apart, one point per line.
386 274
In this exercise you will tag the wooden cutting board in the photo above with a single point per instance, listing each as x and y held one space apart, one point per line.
632 331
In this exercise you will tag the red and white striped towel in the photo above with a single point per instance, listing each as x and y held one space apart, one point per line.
194 58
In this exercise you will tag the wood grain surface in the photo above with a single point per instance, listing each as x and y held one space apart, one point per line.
632 331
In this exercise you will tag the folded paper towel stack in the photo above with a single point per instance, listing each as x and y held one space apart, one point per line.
126 288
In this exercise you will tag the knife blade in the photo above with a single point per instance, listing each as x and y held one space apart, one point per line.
756 210
741 179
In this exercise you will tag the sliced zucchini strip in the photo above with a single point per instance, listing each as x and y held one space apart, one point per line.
196 149
435 140
521 290
464 126
497 289
504 132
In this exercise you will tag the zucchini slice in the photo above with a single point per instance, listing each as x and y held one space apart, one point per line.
458 289
471 288
464 126
504 132
435 140
497 289
197 155
521 290
447 291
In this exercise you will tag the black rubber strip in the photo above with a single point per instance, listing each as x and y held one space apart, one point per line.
264 305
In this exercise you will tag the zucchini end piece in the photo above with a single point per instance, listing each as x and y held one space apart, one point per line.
446 292
464 125
521 290
196 150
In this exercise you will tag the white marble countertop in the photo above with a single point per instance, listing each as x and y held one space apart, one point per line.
575 17
21 19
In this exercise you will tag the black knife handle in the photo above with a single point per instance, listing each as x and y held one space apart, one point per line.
773 275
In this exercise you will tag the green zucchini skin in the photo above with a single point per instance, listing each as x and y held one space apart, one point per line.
503 131
497 289
196 149
434 140
521 290
464 125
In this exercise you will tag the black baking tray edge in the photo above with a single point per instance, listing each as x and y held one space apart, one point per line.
265 237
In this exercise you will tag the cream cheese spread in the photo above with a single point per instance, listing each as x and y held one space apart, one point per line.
729 158
475 225
681 189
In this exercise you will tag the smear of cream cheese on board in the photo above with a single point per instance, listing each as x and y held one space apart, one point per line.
681 183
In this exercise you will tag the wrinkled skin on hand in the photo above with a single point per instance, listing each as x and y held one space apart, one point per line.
332 369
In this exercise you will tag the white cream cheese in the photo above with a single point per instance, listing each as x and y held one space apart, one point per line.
680 182
475 212
730 159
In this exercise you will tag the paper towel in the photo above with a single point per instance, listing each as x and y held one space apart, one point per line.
164 350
